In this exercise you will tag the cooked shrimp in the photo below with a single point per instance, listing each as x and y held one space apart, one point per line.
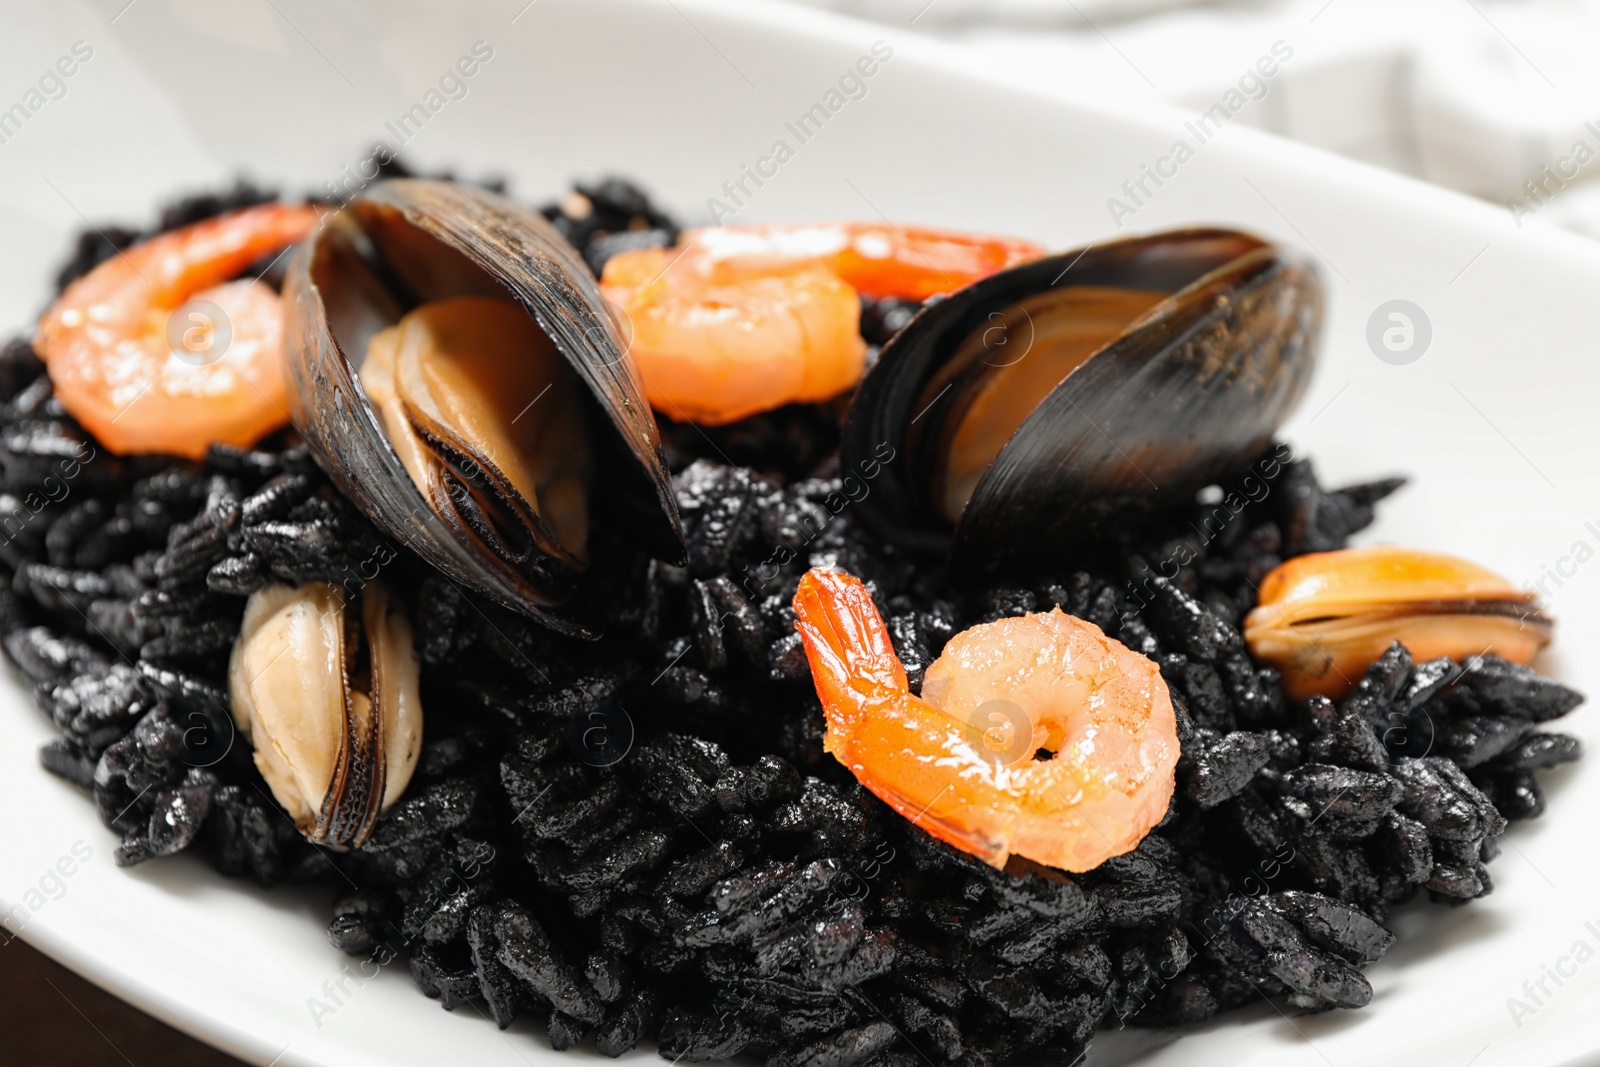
961 760
715 344
145 367
742 319
876 258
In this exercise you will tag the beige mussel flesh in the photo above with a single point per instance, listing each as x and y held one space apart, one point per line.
458 376
1324 618
324 686
488 420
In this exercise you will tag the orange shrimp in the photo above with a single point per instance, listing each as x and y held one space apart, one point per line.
716 344
876 258
961 761
140 355
738 320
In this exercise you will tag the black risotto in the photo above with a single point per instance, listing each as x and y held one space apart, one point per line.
640 839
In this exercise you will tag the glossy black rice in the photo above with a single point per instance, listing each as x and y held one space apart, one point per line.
641 839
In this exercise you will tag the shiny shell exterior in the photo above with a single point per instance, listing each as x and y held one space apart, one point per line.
1324 617
405 242
1189 391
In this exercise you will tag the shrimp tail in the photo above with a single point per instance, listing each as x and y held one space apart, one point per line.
847 644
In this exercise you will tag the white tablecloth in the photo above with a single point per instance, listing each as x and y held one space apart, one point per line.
1496 98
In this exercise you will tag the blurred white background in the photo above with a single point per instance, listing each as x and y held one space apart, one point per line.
1494 98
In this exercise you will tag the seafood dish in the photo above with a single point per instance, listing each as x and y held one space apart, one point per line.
852 644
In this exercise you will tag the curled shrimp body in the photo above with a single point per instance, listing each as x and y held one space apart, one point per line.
961 761
877 258
145 366
741 319
715 344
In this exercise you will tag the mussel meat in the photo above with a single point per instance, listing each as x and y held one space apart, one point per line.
1324 617
1037 407
329 699
460 378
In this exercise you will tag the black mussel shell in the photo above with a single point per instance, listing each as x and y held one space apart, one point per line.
1189 392
404 242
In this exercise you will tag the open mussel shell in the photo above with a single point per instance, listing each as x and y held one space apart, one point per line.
324 686
407 243
1324 617
1050 403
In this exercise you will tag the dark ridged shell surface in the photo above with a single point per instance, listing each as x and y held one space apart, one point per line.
405 241
1190 393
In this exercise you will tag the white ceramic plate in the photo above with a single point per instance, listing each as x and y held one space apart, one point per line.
1493 421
